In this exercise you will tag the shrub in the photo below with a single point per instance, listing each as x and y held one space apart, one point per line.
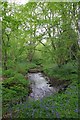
9 73
14 88
19 78
21 68
31 65
68 70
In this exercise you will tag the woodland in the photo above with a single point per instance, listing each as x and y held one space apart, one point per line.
39 36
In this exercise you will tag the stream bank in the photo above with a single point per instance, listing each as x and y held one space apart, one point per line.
43 85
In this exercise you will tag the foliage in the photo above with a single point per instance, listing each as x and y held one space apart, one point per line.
64 72
14 88
9 73
40 34
57 47
63 105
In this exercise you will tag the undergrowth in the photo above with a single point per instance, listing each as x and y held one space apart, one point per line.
60 105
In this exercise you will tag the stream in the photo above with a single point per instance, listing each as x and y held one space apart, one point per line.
40 86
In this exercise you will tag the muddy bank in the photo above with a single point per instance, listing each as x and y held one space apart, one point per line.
61 84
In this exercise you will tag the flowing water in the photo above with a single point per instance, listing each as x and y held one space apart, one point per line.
40 86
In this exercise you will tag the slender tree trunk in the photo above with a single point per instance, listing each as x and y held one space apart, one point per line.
5 60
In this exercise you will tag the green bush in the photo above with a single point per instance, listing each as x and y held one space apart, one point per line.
14 88
9 73
21 68
19 78
68 70
20 90
31 65
8 95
